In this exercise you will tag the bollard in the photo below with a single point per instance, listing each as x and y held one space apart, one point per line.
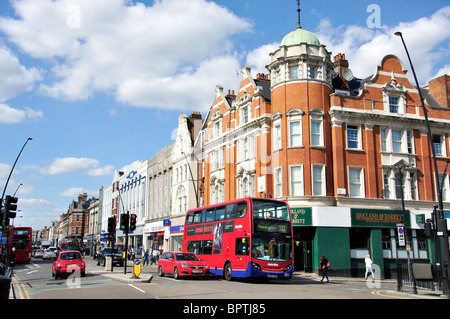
5 284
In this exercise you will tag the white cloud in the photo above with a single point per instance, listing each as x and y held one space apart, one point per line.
102 171
125 48
69 164
365 47
15 78
73 192
35 202
9 115
259 57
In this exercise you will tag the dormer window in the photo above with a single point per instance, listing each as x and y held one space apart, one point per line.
393 104
394 97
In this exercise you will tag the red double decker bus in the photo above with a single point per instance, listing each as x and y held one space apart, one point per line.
249 237
21 238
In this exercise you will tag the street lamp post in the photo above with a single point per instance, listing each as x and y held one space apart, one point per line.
408 242
441 223
12 169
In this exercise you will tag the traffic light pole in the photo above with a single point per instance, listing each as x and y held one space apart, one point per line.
126 246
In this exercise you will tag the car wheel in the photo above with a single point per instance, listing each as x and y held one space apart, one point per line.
83 274
160 272
176 275
227 272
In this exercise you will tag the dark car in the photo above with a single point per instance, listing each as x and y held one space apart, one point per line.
106 252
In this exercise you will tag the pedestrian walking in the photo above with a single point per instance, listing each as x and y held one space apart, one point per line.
369 267
145 258
155 255
12 257
324 265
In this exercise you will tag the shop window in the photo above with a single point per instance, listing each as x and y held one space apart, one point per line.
386 238
359 238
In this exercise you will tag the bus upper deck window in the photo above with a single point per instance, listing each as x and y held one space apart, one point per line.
241 209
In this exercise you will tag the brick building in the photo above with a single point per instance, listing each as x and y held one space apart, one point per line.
339 149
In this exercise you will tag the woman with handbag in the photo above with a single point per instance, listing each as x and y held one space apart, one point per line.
324 264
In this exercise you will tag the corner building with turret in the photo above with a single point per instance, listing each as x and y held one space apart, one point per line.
338 148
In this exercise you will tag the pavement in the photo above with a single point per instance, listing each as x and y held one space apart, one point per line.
383 287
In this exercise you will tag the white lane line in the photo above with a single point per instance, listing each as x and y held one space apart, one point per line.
136 288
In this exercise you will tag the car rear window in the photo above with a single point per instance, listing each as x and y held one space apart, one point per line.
70 256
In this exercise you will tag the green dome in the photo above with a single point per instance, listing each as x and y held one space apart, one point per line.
299 36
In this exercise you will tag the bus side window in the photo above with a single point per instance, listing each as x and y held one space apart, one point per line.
190 218
241 209
197 217
209 215
220 213
230 212
242 246
193 247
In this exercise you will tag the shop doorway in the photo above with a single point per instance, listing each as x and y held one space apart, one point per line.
303 256
303 244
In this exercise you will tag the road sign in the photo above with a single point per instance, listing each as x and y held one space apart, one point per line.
137 267
401 236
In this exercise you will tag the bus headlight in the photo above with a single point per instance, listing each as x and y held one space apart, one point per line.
255 265
288 267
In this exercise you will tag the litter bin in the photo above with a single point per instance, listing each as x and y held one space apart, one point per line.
5 284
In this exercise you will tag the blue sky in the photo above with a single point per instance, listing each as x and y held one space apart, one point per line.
99 84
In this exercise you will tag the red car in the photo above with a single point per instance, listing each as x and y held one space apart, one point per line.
182 264
67 263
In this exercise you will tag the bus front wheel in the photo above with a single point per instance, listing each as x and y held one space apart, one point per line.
227 271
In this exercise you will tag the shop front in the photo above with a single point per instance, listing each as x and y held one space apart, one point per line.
346 235
156 235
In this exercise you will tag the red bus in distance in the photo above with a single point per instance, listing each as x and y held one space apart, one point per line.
248 237
21 238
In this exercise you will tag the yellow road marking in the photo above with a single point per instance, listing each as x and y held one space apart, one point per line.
378 293
22 290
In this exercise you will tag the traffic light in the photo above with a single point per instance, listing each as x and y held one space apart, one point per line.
11 206
428 228
124 222
133 222
112 225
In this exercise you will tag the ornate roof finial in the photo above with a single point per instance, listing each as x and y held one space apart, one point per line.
298 11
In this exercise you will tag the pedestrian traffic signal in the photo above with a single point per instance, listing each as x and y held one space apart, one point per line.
133 221
10 207
124 222
112 225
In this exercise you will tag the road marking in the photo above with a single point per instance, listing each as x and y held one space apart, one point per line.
378 293
23 293
143 291
30 272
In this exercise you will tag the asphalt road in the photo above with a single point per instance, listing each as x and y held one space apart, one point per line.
34 281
